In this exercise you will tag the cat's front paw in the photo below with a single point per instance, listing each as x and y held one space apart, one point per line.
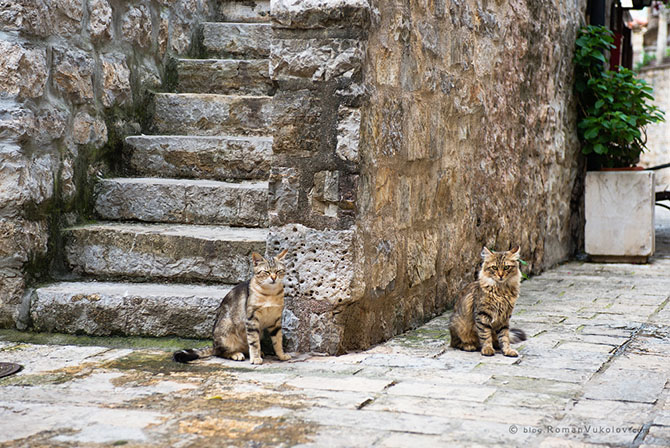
488 351
258 360
284 357
237 356
510 352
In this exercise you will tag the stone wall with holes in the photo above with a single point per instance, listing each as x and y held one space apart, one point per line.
409 135
72 75
658 134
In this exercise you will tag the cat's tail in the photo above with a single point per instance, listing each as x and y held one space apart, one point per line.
516 335
190 354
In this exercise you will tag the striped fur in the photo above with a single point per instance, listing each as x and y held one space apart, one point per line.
248 310
482 313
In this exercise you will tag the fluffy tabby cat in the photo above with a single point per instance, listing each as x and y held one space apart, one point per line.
247 310
481 314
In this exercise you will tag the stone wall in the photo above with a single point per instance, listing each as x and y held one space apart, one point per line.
409 135
658 134
72 77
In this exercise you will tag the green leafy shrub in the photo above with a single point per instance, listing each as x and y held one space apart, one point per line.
615 106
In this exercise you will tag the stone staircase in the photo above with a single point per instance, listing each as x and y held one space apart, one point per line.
174 236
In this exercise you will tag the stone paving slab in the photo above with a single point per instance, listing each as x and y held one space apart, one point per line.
594 372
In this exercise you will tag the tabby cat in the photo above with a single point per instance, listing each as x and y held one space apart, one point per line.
245 312
481 314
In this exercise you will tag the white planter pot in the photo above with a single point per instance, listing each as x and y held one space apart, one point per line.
619 207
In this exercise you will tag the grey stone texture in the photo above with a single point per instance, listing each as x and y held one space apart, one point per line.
225 76
161 251
183 201
218 158
72 75
132 309
242 40
413 390
658 133
256 11
208 114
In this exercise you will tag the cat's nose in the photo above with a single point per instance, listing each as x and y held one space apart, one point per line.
273 277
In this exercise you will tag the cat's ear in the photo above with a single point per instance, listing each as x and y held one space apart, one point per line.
486 253
516 252
281 254
257 258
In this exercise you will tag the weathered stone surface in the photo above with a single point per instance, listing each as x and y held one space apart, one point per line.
226 76
246 40
324 196
132 309
87 129
297 122
73 74
284 194
204 114
219 158
320 13
315 59
318 283
183 201
619 208
99 19
348 133
209 253
256 11
20 241
60 17
136 26
23 71
115 80
26 179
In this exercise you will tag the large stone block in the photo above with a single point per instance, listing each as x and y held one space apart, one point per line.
248 40
136 26
297 122
99 20
26 179
305 14
318 283
162 251
23 71
183 201
202 114
225 76
87 129
315 59
619 209
73 74
201 157
348 133
115 80
132 309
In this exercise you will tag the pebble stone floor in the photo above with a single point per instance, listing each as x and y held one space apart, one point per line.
594 372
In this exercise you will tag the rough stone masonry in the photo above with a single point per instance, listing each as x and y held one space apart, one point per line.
405 136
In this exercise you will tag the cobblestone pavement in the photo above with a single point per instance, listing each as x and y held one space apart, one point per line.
594 372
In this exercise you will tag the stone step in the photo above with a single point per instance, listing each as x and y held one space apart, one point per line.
206 114
244 11
224 76
129 309
236 40
218 158
183 201
163 251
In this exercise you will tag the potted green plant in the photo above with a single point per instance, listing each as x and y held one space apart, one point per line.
614 109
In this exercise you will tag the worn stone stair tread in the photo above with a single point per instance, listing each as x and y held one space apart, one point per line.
211 114
202 157
236 39
210 253
131 309
224 76
245 11
187 201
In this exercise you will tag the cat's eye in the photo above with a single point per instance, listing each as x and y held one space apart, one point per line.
507 268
